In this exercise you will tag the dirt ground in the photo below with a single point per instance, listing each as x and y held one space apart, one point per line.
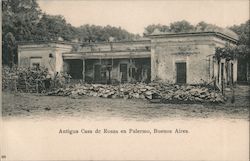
35 106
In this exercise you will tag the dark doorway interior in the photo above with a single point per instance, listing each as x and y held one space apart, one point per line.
100 73
243 71
124 72
143 70
75 68
222 72
181 72
232 74
97 72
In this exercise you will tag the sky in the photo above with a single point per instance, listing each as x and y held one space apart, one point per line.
135 15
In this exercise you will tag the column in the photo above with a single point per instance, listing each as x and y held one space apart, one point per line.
83 69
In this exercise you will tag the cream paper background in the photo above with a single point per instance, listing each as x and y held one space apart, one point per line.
208 139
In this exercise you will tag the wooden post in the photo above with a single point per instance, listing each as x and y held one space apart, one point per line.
112 64
15 84
8 86
233 94
83 70
223 86
247 73
37 86
209 74
26 88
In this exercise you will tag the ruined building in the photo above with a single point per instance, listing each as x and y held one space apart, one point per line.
166 57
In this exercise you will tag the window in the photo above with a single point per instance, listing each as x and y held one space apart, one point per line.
36 65
35 62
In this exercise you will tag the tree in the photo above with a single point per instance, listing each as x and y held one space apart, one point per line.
24 21
150 28
203 26
181 26
93 33
175 27
52 27
20 18
242 50
243 30
9 47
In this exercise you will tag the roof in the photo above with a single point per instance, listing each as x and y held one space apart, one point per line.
45 42
207 33
144 40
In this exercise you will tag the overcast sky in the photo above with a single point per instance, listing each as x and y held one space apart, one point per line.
135 15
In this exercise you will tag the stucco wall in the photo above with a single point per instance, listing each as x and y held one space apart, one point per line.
196 51
54 63
26 52
117 46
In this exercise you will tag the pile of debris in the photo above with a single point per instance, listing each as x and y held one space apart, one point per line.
166 93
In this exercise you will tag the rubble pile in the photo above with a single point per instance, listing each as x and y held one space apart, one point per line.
166 93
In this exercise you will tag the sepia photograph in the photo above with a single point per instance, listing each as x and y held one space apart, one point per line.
125 80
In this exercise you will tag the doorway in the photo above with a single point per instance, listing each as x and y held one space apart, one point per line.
124 72
181 72
100 73
75 68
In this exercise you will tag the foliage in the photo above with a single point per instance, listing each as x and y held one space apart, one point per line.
184 26
243 30
53 27
175 27
206 27
9 56
150 28
93 33
20 18
24 20
31 77
229 53
181 26
226 52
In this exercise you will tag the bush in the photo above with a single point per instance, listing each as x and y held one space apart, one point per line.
31 79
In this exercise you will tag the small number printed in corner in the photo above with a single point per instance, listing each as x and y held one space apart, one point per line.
3 157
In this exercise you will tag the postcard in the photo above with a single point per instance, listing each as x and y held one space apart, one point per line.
125 80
